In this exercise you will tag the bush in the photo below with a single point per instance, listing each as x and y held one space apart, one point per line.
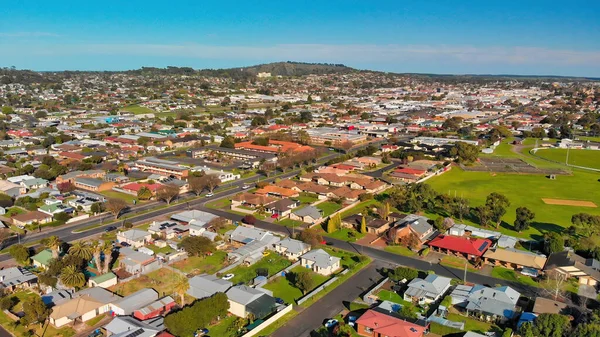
425 252
128 224
249 219
7 302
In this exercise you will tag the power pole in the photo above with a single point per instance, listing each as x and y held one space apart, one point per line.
465 277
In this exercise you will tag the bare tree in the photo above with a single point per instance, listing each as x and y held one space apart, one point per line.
196 185
4 234
211 181
346 145
167 193
115 206
217 223
555 282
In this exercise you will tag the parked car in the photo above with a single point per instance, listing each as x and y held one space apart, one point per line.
228 277
95 333
201 332
125 244
110 228
331 323
266 253
352 320
245 187
209 195
279 300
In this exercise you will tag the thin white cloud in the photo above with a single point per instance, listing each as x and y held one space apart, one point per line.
28 34
352 53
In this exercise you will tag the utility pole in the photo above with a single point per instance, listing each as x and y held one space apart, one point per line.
465 277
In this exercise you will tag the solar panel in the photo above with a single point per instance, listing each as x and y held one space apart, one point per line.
483 246
136 333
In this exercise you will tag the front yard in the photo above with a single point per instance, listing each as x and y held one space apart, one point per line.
457 262
290 223
345 234
400 250
202 264
511 275
286 290
273 263
307 198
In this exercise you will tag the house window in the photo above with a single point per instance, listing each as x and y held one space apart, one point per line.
368 330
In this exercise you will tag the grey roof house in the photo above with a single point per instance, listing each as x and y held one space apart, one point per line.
497 302
13 277
320 262
308 214
204 285
244 300
428 290
188 216
124 326
128 304
292 249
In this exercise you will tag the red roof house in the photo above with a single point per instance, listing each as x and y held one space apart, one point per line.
468 247
375 324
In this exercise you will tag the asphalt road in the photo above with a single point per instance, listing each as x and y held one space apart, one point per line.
332 303
4 333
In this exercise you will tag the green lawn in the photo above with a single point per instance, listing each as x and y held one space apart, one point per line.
118 195
345 234
200 264
592 139
273 263
587 158
328 207
511 275
400 250
457 262
471 324
157 250
290 223
285 290
20 330
15 210
223 327
360 208
138 110
524 190
94 320
219 204
307 198
386 295
348 259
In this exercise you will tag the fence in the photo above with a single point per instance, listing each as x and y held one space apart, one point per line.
268 322
339 211
319 289
77 218
368 298
231 266
241 210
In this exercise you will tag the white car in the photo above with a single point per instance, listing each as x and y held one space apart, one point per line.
245 187
209 195
228 277
331 323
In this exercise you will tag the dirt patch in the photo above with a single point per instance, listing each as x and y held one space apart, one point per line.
564 202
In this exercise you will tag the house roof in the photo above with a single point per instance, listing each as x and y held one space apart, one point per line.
31 216
310 211
499 301
272 189
570 259
137 300
134 234
75 308
432 285
243 294
190 215
321 258
248 234
14 276
253 199
517 257
204 285
386 325
103 277
156 305
417 223
43 257
126 326
89 181
293 246
282 205
471 246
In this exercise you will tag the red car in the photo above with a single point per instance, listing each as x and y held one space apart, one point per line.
275 216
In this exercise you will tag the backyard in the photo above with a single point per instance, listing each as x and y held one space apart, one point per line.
273 263
328 207
162 280
202 264
286 290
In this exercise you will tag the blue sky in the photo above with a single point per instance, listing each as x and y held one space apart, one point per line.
443 36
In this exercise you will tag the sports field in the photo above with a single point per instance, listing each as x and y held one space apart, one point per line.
586 158
525 190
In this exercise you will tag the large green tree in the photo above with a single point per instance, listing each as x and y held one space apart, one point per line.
497 204
524 218
35 311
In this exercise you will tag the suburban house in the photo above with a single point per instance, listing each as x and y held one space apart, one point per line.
130 303
469 248
320 262
187 217
155 309
168 229
127 326
276 191
309 214
244 300
42 259
496 303
93 184
14 277
515 259
134 237
374 225
428 290
572 265
415 225
252 251
134 262
85 305
378 324
292 249
103 281
163 167
251 200
29 218
53 209
205 285
282 208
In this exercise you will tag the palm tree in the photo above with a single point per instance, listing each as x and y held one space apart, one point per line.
72 277
181 286
107 249
81 250
54 244
96 252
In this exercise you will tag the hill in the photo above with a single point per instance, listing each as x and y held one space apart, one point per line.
295 69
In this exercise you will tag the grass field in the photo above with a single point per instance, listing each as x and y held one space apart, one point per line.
586 158
525 190
285 290
328 207
118 195
273 263
138 110
201 264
